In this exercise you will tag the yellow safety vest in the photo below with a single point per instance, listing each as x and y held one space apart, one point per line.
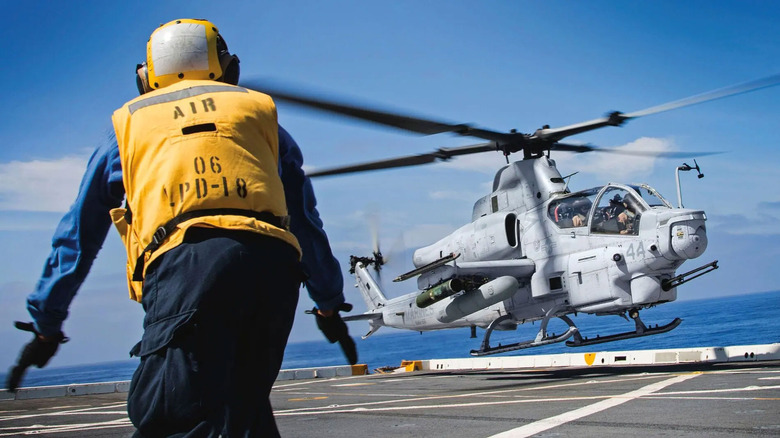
196 153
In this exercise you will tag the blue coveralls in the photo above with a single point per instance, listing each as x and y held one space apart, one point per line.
219 307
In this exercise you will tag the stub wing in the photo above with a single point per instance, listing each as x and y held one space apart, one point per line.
486 270
448 267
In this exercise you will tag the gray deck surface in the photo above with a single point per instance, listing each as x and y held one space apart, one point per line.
700 400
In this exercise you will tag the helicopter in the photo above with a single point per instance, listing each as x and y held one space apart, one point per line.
534 250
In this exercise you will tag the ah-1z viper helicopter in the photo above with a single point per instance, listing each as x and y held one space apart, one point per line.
534 250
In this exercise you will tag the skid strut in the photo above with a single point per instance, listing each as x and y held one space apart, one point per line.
542 338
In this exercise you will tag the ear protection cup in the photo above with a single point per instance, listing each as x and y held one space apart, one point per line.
228 63
230 68
142 78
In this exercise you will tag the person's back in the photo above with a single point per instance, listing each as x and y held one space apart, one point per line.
216 203
198 154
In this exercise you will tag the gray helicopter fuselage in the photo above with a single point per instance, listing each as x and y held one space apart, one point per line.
533 248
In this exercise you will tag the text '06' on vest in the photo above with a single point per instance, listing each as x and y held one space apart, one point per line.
197 146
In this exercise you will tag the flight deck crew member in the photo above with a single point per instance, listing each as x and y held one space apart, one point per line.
220 226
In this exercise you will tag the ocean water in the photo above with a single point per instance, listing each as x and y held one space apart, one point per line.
734 320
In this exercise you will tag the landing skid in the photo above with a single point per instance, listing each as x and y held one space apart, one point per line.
542 338
641 330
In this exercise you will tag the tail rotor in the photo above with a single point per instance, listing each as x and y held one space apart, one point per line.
377 259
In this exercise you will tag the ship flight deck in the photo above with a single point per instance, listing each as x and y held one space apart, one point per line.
695 392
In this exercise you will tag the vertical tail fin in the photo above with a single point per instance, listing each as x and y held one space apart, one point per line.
369 288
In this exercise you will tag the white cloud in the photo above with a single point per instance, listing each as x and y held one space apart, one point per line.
607 166
40 185
619 166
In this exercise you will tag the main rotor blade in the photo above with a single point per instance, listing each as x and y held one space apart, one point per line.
618 118
442 154
720 93
555 134
408 123
588 148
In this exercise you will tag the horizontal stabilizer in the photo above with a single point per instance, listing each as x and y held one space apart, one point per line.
362 317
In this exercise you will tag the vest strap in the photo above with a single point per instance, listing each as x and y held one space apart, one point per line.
163 231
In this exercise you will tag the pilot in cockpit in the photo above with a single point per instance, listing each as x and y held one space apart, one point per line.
627 217
618 214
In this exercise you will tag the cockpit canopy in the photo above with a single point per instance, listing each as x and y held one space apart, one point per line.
610 209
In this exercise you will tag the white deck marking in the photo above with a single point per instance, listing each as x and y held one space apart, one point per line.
551 422
94 410
340 409
716 391
423 398
314 381
108 409
41 429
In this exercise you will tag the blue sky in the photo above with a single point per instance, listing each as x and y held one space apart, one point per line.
497 64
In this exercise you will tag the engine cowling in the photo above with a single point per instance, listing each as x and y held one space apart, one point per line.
491 237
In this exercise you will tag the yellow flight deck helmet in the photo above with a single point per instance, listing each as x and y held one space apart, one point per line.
186 49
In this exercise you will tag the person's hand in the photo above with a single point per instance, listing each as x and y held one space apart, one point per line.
37 352
335 330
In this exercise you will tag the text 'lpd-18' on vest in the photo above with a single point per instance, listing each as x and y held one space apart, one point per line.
192 150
